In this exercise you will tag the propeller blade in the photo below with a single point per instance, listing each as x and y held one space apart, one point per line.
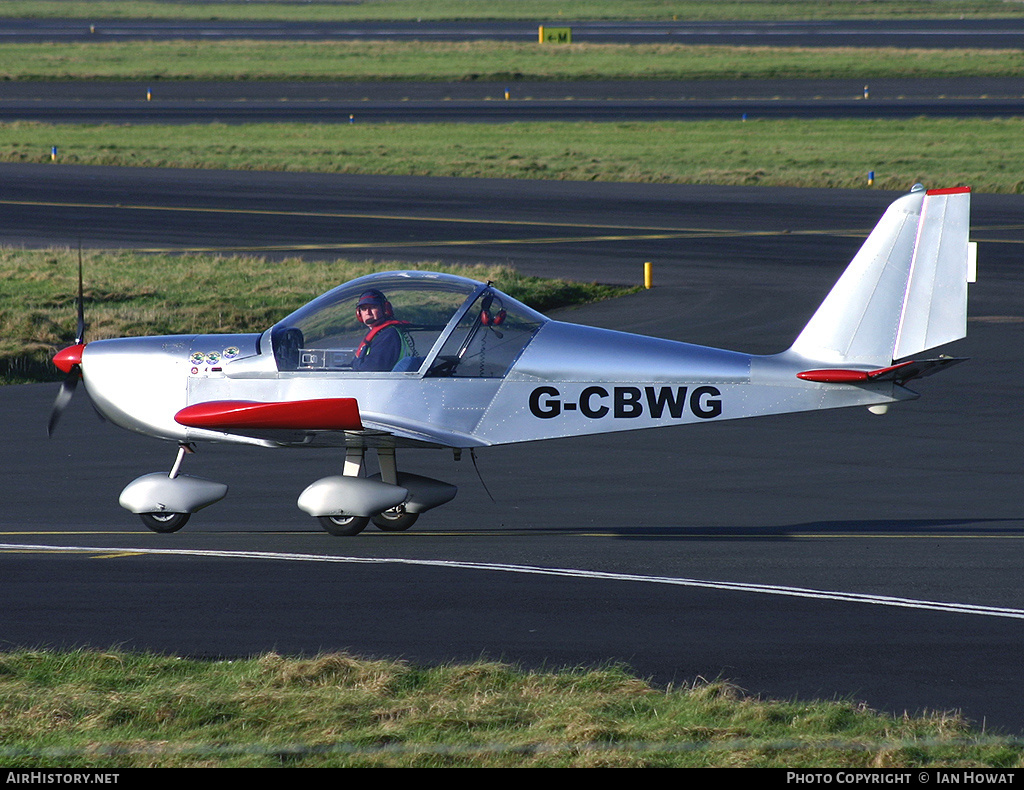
70 359
60 403
80 328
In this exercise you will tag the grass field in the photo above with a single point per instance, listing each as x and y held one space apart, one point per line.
981 153
111 709
485 60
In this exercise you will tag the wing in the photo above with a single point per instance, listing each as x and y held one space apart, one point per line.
322 422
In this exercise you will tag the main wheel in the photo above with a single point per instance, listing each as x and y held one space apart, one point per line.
395 520
344 525
164 522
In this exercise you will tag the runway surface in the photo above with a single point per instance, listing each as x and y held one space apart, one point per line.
829 554
483 101
972 33
475 100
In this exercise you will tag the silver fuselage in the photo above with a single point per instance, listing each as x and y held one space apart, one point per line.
570 380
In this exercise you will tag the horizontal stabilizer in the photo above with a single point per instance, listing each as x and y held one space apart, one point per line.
324 414
904 292
900 374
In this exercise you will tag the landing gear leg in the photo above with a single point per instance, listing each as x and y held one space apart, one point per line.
183 449
354 459
394 519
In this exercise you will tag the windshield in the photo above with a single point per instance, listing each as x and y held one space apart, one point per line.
402 322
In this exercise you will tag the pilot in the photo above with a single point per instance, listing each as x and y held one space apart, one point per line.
386 342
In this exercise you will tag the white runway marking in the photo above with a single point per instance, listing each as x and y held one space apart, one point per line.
760 589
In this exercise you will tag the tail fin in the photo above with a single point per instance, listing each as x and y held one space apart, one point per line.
904 291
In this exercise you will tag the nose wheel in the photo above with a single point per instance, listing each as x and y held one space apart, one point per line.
165 502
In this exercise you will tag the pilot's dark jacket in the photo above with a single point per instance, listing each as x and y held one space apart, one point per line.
382 347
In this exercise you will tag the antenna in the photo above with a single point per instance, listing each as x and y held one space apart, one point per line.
472 454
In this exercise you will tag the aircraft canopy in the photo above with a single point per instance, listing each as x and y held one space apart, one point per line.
450 326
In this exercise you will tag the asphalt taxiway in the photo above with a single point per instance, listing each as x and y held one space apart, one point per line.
1002 33
508 101
828 554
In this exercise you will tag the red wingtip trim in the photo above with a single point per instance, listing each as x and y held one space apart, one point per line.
67 358
949 191
834 376
324 414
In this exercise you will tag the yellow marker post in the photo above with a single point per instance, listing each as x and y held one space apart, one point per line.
648 275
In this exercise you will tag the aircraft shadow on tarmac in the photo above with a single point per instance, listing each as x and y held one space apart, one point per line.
994 527
848 528
911 528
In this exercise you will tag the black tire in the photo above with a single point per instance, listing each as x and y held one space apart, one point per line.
343 526
164 522
395 520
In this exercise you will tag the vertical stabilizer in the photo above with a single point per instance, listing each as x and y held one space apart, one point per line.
905 290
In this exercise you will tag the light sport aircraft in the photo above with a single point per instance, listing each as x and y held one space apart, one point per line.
478 368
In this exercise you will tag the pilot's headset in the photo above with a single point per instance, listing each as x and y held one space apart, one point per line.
489 316
376 297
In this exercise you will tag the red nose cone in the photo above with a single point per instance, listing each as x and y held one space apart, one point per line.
69 357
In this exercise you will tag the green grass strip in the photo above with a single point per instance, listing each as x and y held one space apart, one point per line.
485 60
120 710
981 153
541 10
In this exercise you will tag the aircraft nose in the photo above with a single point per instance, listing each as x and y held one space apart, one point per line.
67 358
